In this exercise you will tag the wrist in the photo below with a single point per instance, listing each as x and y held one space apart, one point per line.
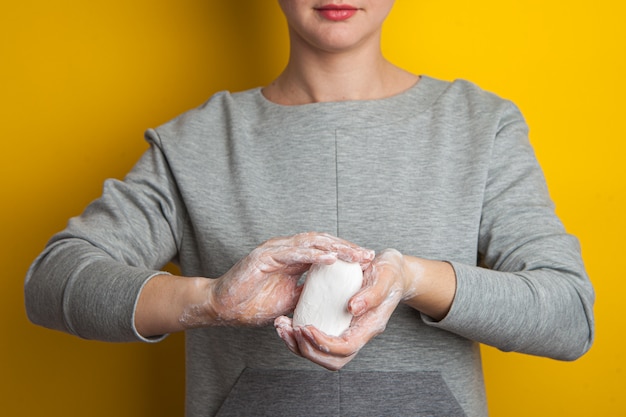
169 303
412 277
198 309
429 286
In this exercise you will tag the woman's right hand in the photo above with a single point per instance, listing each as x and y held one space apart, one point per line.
260 287
264 284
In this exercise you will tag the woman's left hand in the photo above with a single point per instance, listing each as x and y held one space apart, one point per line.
385 284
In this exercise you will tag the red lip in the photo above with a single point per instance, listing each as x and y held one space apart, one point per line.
336 12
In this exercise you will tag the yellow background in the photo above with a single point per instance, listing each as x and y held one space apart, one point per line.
81 81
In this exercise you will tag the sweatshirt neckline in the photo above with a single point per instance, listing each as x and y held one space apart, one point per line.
392 109
270 102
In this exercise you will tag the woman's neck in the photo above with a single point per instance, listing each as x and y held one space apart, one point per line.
324 77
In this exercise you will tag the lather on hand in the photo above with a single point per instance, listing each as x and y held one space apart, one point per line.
264 284
390 279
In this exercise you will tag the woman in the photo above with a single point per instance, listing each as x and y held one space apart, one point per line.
345 144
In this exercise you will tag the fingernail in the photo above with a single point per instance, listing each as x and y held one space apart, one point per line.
329 257
357 307
306 332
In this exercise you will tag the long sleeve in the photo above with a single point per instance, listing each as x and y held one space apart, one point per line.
88 278
531 293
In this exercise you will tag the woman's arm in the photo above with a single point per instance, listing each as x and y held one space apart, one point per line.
259 288
87 279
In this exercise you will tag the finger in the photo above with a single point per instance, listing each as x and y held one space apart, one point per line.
322 255
343 346
366 327
307 239
285 332
307 249
322 241
367 299
311 352
345 250
288 257
372 294
348 251
295 270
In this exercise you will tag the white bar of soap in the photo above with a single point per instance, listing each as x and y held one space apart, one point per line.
324 299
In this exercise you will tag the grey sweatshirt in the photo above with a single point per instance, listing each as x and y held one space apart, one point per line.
442 171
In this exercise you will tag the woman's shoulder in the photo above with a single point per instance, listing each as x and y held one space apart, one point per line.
220 111
467 100
464 91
